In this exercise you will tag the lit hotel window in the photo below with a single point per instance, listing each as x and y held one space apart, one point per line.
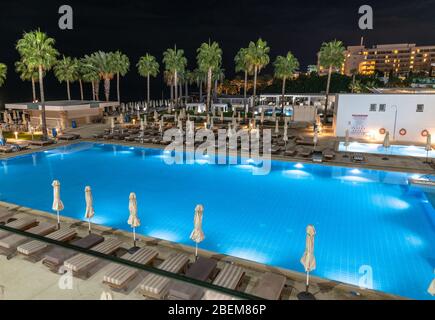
373 107
420 107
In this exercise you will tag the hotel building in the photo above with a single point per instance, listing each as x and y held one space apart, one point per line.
400 59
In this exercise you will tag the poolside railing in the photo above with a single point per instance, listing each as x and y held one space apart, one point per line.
120 261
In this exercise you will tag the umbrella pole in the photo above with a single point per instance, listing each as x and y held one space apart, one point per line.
196 251
89 223
307 284
134 237
58 219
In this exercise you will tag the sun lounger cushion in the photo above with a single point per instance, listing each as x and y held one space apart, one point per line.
14 240
120 274
82 261
156 284
35 246
229 277
270 286
20 224
5 215
57 255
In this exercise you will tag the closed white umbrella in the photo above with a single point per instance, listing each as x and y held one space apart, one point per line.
197 234
308 260
161 125
222 116
156 116
89 206
262 116
431 288
285 136
276 126
133 219
315 139
5 117
428 146
239 117
142 125
386 143
346 138
112 124
57 203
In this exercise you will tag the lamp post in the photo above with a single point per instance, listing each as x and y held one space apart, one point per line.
395 122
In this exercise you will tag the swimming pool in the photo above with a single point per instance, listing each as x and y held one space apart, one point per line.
370 224
396 150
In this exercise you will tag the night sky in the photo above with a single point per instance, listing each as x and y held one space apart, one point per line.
136 27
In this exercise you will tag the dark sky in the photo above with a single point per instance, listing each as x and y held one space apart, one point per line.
137 27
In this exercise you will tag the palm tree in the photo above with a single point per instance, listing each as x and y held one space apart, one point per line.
89 73
104 63
331 56
168 77
218 76
3 72
209 58
37 51
175 62
121 65
27 75
199 77
66 70
258 58
284 69
243 65
148 67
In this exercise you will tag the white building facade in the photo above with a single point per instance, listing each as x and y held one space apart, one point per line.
408 117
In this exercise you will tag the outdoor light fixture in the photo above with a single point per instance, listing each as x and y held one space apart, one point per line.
16 135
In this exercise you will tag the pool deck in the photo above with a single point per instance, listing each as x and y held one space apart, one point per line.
21 279
372 161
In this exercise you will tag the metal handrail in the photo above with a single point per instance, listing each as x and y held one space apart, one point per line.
136 265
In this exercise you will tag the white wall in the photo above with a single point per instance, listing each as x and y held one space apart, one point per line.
351 107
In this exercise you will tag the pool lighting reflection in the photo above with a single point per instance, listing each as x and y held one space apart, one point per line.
299 165
355 171
297 173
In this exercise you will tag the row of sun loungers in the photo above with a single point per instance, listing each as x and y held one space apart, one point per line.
68 136
55 257
81 264
119 276
32 250
9 244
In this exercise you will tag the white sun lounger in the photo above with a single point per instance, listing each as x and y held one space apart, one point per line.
270 286
5 215
9 244
20 224
229 277
82 263
120 275
156 286
33 248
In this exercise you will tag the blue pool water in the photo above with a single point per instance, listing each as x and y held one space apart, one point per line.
395 150
370 224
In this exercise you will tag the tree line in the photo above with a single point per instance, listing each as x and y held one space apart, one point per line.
38 56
